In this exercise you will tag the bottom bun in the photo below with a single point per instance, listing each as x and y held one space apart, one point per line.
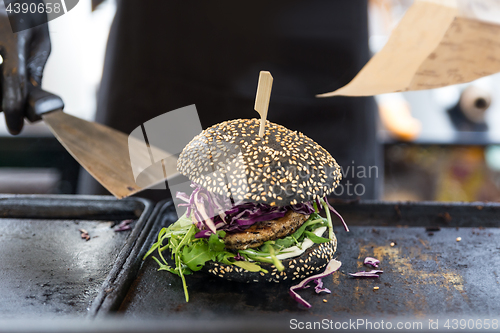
308 263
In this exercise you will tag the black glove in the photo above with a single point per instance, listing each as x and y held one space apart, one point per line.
24 56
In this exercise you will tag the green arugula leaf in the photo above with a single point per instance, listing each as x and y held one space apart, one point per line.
276 261
255 256
173 242
328 218
184 221
249 266
316 239
266 247
314 216
187 238
181 274
285 242
297 234
215 243
164 267
157 244
196 255
224 257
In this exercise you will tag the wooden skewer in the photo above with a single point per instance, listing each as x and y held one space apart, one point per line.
262 98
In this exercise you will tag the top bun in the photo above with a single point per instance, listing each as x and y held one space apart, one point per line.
283 167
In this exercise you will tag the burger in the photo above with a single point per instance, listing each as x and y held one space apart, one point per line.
254 211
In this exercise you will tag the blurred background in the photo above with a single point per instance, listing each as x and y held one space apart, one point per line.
441 144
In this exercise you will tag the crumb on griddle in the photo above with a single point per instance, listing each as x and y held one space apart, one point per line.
84 234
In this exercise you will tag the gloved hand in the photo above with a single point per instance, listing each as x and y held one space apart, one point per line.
24 56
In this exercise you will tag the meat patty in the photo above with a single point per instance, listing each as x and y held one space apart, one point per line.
263 231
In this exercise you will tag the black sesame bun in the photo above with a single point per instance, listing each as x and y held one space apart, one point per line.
283 167
312 261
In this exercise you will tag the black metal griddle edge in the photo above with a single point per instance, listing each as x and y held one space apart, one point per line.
126 265
419 214
87 207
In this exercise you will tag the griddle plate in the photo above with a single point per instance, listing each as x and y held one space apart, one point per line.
424 274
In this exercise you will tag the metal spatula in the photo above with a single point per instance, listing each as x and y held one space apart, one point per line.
102 151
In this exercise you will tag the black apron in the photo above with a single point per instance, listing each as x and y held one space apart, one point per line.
163 55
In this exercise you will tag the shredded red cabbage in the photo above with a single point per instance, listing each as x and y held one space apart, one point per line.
371 274
319 287
239 257
332 266
338 215
124 226
371 261
213 212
